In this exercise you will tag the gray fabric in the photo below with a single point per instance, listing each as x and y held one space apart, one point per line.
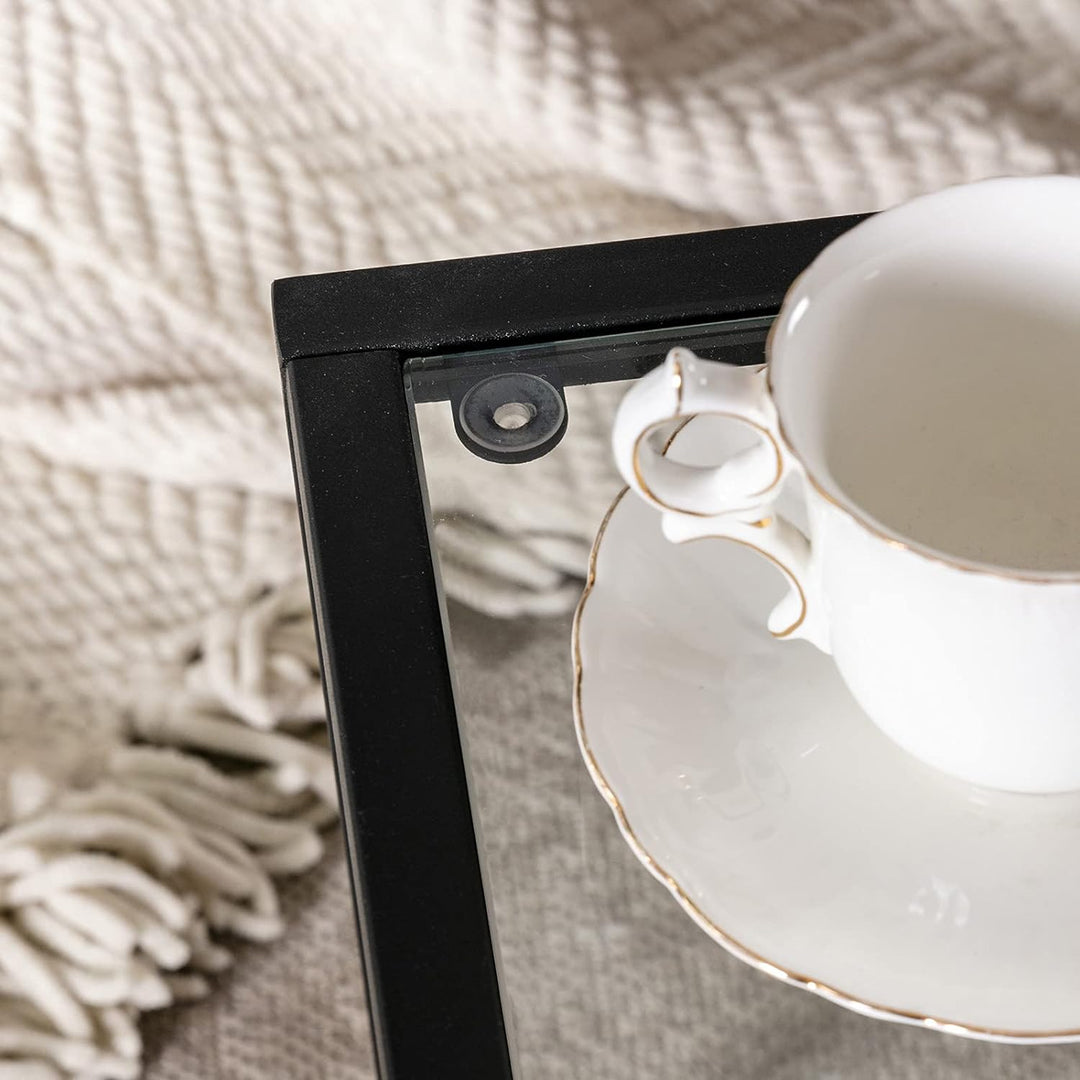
161 163
295 1011
609 979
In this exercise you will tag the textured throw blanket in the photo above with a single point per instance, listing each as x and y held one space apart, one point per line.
161 744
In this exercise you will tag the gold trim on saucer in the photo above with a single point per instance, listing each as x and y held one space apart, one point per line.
732 944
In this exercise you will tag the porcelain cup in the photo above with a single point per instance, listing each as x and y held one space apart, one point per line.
922 385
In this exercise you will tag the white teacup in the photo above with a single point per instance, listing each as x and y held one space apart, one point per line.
924 379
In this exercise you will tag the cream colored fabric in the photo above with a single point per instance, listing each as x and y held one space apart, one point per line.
161 162
607 977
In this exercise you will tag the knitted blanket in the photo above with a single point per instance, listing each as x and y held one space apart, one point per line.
160 164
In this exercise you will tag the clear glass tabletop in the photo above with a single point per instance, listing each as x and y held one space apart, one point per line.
604 977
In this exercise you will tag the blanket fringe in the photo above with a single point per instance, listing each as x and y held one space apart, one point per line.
117 898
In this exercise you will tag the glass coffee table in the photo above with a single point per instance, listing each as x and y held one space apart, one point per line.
448 424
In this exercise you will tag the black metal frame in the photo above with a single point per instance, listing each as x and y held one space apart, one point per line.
344 340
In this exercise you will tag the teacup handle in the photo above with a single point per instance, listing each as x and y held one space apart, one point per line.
731 501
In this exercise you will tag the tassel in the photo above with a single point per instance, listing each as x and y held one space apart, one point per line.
112 897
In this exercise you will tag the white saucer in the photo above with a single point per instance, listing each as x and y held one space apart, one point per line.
748 781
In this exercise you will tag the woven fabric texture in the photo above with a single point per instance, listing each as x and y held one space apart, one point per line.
161 163
607 977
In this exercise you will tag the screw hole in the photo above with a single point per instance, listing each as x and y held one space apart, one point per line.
514 415
510 417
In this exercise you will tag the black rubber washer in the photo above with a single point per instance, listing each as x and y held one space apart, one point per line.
474 417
